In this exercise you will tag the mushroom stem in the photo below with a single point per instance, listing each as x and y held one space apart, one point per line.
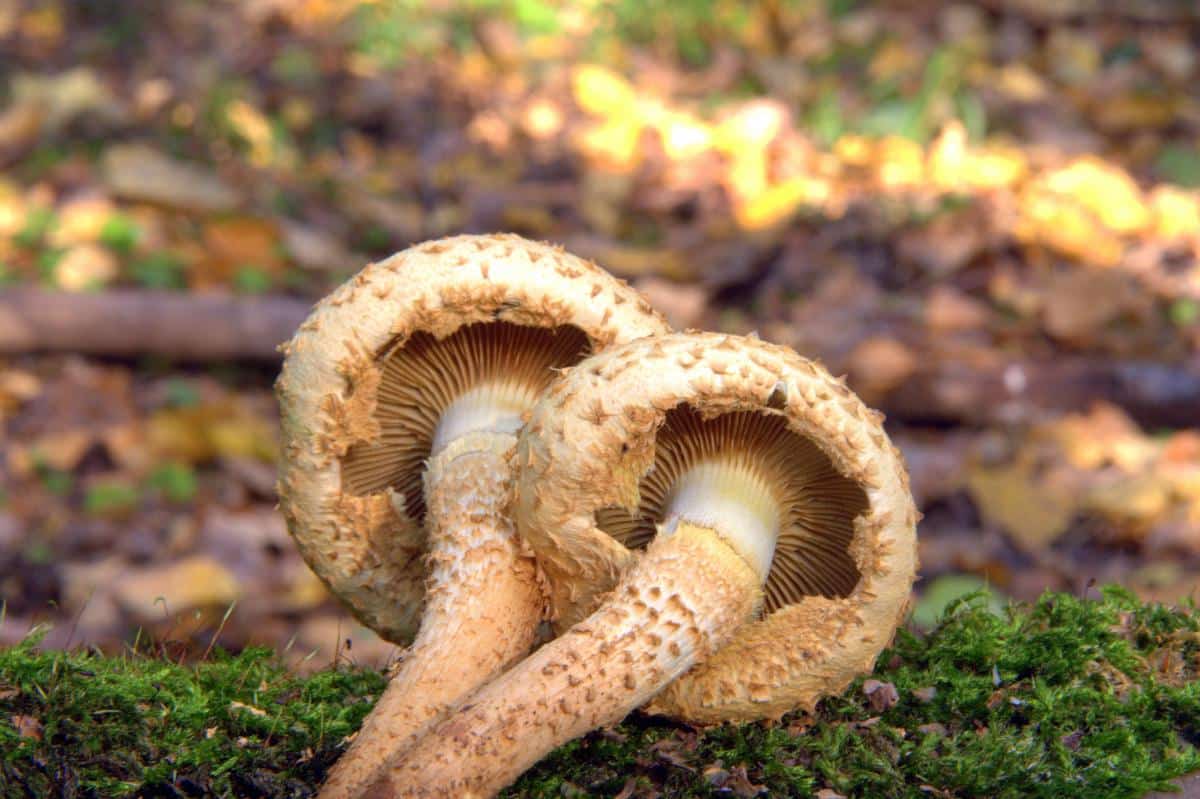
681 602
482 608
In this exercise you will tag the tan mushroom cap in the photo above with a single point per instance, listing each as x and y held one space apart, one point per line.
590 448
358 531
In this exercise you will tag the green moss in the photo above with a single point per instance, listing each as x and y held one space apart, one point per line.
1068 697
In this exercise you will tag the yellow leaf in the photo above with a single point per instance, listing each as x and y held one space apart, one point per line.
779 202
683 136
1033 512
1018 82
205 432
900 162
1103 435
1104 189
195 582
1067 227
1135 113
854 150
995 167
1176 212
600 91
250 123
750 127
1135 500
614 144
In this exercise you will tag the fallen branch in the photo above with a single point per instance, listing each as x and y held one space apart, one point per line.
957 391
200 327
956 386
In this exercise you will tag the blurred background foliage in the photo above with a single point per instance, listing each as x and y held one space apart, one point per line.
986 215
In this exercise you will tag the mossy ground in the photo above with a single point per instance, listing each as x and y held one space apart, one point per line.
1069 697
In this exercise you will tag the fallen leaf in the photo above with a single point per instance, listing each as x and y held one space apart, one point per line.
86 267
194 582
1176 212
140 172
65 97
878 365
81 220
1105 189
1133 502
27 726
881 695
948 309
1104 434
1033 511
600 91
234 243
1080 304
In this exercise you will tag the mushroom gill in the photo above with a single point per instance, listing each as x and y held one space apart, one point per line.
482 376
813 507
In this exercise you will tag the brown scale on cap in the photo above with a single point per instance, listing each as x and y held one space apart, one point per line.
779 552
400 400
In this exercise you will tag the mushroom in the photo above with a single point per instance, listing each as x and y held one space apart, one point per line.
779 552
400 399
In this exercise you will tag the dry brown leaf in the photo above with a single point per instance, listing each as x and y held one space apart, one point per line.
233 243
1104 434
878 365
27 726
948 309
1132 503
1080 304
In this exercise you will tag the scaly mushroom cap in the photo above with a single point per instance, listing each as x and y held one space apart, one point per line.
471 323
601 456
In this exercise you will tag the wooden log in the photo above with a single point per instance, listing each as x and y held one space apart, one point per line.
191 327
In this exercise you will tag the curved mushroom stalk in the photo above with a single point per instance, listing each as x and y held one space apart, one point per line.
480 611
400 399
679 603
779 560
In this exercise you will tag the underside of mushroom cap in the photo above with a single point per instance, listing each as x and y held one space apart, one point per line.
394 337
593 471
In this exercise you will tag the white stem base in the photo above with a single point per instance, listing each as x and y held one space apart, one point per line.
735 503
491 408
